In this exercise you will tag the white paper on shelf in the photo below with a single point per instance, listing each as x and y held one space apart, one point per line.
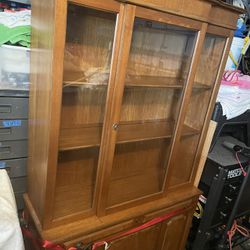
10 231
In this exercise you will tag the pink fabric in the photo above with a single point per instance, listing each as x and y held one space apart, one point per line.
235 78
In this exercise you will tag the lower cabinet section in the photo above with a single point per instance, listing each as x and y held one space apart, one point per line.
170 234
174 232
140 228
146 239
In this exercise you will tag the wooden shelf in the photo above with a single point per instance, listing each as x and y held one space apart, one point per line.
141 81
154 82
83 83
188 131
142 131
90 136
135 81
80 137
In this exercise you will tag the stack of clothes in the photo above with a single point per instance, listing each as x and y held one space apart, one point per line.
234 93
15 28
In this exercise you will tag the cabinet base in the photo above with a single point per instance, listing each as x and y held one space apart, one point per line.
93 228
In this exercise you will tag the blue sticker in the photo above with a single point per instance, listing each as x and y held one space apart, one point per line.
2 164
12 123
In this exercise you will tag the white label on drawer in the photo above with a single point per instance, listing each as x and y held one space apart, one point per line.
12 123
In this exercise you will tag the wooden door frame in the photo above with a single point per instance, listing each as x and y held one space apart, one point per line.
210 109
113 108
55 104
113 105
184 105
107 5
57 86
228 35
167 18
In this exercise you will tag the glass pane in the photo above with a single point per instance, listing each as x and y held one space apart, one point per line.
87 60
158 65
197 108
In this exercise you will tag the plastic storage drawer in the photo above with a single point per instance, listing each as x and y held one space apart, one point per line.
11 108
15 167
13 149
13 130
14 67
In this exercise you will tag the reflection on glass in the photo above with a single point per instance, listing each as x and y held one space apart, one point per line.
160 52
89 45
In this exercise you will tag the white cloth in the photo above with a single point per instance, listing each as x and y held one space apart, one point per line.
10 231
14 19
234 100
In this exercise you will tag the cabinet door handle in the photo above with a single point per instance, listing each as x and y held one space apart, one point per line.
115 126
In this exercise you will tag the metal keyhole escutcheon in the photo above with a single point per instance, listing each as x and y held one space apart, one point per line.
115 126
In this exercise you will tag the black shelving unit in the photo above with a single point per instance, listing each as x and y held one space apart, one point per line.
225 191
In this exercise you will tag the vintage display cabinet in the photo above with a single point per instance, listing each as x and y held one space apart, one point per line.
121 96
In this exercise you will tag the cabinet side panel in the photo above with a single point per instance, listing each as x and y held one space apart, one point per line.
39 106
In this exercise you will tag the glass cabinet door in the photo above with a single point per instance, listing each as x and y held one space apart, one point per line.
205 77
158 65
87 59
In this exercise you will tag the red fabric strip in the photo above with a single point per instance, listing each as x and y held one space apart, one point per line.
37 244
49 245
29 235
241 167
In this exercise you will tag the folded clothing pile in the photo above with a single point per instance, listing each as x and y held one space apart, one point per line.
234 94
15 28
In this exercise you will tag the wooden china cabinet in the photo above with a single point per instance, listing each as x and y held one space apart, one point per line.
120 100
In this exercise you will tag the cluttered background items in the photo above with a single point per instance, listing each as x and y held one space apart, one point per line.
234 93
15 31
